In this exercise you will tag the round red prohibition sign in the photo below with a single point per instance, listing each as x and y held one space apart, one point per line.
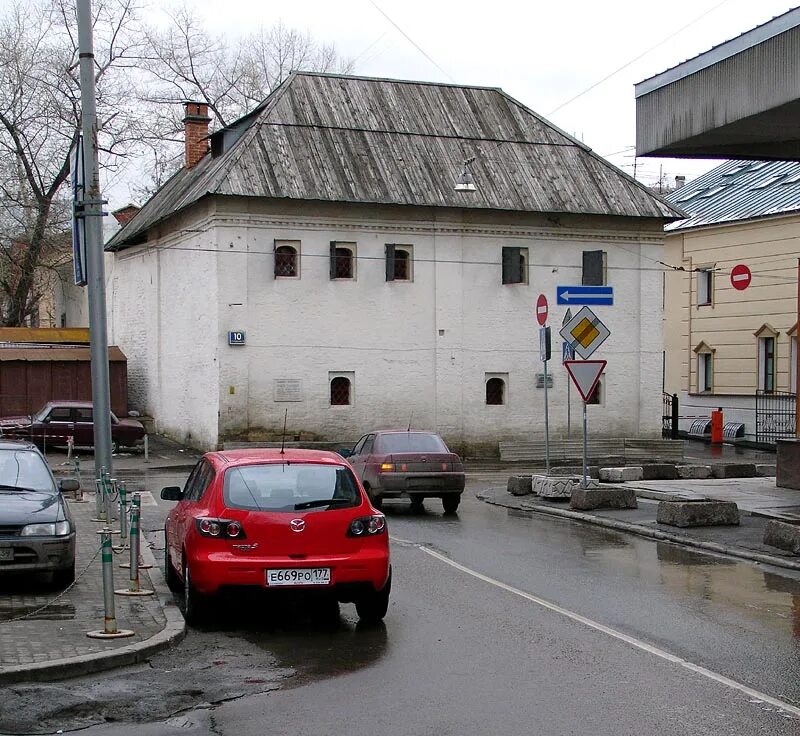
741 277
541 309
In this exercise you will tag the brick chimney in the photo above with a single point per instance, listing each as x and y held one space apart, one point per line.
125 214
195 128
680 181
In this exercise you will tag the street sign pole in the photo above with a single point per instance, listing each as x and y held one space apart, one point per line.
544 354
569 409
546 426
585 482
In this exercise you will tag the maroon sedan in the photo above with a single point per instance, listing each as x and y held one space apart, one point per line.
410 464
57 421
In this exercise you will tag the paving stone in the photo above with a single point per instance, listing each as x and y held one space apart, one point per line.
519 485
603 498
733 470
697 513
59 630
659 471
620 475
694 472
559 486
783 536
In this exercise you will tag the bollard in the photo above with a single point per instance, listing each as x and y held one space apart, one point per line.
110 630
716 427
147 448
99 503
123 512
135 588
123 518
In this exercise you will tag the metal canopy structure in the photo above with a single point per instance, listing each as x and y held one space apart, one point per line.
739 100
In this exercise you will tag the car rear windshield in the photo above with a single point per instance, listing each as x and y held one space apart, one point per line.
290 487
411 442
25 469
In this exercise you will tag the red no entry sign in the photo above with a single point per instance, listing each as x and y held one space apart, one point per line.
741 277
541 309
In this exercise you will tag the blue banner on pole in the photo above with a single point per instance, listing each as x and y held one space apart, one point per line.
78 221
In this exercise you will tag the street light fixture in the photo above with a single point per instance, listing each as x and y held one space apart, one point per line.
465 182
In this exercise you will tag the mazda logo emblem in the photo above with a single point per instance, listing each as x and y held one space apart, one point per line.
297 525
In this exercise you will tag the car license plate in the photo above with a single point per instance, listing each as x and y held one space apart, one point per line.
299 576
6 554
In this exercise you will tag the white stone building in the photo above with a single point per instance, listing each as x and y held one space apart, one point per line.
325 227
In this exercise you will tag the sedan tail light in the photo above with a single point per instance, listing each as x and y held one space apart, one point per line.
367 526
220 528
387 467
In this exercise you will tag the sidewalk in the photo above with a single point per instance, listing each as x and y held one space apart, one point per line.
42 638
759 500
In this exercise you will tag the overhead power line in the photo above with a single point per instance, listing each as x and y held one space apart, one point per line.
411 40
634 60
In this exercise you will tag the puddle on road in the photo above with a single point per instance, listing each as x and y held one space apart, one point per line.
54 612
316 655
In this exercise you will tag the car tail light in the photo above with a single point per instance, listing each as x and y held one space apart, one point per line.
387 467
367 526
221 528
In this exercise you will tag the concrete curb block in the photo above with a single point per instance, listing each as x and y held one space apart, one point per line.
657 534
174 630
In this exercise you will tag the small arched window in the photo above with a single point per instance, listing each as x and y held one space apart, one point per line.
340 391
286 261
401 263
342 263
495 391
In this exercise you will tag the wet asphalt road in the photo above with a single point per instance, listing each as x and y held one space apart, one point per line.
459 654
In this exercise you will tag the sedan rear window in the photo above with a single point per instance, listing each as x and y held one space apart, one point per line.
25 469
290 487
411 442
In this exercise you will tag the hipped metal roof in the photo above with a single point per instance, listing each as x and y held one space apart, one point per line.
738 190
340 138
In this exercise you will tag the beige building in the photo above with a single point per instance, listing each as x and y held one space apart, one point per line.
724 346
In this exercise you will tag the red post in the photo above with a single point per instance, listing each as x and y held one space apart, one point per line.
716 427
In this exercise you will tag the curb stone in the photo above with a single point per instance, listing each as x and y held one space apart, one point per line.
173 631
643 531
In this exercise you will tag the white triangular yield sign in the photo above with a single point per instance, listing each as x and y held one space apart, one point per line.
585 374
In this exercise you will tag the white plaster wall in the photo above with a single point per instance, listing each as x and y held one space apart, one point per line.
163 315
388 334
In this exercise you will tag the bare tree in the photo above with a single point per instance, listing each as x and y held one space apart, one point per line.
230 75
40 124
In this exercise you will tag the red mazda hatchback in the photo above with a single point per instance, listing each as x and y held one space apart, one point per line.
293 520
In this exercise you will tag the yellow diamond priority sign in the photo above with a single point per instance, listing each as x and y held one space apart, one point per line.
585 332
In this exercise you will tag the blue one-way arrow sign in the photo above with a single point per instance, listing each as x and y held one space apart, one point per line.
585 295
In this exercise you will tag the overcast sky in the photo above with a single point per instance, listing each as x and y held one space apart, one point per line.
541 53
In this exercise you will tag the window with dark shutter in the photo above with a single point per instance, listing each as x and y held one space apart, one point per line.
341 261
398 262
594 268
390 258
514 262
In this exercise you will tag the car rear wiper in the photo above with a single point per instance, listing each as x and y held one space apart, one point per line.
20 489
323 502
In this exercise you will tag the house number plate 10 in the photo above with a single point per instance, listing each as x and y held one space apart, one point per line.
236 337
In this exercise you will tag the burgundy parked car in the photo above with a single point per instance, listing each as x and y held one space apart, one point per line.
410 464
57 421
